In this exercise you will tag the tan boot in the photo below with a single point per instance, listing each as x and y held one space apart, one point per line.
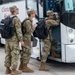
26 68
43 68
21 66
8 71
13 72
54 54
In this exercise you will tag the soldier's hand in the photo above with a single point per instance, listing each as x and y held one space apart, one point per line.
55 13
22 43
35 25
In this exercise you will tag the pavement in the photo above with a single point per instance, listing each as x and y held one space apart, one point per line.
55 68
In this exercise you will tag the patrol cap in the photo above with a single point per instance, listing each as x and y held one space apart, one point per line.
13 8
30 11
49 12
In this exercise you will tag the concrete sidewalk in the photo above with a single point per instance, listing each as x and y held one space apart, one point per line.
55 68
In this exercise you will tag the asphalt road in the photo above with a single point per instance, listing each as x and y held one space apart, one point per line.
55 68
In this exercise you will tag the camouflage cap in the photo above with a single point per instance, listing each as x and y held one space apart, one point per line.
30 11
13 8
49 12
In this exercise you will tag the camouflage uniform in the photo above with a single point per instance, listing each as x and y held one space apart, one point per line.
12 46
26 52
47 43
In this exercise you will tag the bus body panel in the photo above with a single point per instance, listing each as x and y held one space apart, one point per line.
64 40
67 44
35 51
70 53
63 53
71 35
4 10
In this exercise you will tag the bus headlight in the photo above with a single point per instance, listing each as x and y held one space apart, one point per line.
71 36
70 30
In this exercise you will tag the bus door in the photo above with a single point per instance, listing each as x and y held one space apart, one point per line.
55 30
64 34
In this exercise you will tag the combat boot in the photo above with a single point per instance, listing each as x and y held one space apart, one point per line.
14 72
42 67
21 66
26 68
8 71
54 54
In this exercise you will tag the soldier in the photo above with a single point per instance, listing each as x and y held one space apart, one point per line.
12 44
26 51
47 44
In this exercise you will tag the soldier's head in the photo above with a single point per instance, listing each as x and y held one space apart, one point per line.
31 13
14 10
50 14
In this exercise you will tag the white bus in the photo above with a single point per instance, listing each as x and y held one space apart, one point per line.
64 34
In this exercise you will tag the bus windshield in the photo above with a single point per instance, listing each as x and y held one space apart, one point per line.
69 5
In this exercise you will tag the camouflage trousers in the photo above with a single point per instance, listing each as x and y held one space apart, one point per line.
26 51
46 49
12 54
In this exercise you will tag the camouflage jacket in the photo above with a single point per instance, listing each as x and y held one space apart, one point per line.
29 29
50 22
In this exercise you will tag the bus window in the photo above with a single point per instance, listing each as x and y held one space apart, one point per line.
74 4
69 5
1 1
31 4
7 1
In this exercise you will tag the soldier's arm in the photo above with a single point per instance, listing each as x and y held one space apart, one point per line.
29 27
18 29
53 22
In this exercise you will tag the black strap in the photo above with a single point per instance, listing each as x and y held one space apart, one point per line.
14 26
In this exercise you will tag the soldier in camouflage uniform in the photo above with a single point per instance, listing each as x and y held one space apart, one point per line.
12 44
47 44
26 52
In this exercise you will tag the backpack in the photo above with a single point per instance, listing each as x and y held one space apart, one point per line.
41 30
8 29
23 26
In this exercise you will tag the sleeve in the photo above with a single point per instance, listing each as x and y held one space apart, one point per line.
18 29
29 27
53 22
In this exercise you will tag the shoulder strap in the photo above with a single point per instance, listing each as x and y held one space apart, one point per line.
14 25
13 17
26 20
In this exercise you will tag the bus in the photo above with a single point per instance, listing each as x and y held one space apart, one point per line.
63 35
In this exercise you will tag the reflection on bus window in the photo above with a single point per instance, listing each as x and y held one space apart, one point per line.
69 5
7 1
